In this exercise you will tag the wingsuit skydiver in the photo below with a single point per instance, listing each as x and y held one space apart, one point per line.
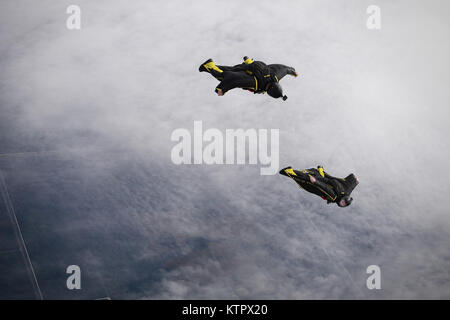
255 76
317 181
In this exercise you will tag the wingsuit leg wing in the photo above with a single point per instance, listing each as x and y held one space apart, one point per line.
303 180
230 77
233 80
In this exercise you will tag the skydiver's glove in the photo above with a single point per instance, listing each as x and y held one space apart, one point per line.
292 72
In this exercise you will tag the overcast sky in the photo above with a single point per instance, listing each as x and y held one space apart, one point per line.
106 99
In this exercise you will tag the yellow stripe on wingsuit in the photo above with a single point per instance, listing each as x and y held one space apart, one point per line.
256 84
212 65
290 171
321 172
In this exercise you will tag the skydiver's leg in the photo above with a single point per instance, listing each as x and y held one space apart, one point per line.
237 67
233 80
314 177
210 67
302 175
217 74
220 75
217 71
225 68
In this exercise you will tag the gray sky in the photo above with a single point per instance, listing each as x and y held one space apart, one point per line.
107 98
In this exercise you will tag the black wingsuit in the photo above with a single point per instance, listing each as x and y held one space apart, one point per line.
255 76
327 187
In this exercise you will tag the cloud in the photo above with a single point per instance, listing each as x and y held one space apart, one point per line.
106 99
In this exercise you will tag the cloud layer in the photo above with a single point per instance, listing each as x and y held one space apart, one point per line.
105 100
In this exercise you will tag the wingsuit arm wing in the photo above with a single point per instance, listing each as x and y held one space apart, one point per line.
337 186
336 183
329 192
280 70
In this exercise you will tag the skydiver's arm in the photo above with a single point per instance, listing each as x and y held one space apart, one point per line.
329 176
280 70
329 192
334 182
338 188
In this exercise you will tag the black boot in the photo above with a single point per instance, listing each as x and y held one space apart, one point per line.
202 67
